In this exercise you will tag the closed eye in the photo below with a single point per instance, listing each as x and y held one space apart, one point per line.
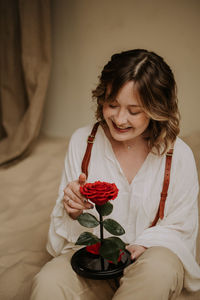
113 106
134 113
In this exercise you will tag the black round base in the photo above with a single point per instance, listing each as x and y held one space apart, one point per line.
95 267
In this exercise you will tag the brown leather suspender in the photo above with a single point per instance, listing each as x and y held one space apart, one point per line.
90 141
163 197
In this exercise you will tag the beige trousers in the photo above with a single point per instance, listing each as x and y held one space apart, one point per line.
156 275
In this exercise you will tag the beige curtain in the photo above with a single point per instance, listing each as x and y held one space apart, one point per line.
25 58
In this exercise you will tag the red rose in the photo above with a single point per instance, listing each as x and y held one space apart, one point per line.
99 192
119 258
94 248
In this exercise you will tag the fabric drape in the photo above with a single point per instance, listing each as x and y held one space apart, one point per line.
25 59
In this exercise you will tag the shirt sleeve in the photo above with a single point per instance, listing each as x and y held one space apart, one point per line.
178 230
63 230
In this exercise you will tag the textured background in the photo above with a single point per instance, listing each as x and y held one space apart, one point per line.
86 33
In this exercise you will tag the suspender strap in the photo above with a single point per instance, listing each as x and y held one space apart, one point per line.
90 141
163 197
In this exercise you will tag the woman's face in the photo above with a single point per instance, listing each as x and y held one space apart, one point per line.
124 116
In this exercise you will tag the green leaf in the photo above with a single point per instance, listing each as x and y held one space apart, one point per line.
116 242
113 227
88 220
105 209
110 248
111 256
87 238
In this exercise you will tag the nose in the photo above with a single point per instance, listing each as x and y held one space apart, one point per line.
121 118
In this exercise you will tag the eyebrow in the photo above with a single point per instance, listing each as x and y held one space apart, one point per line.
131 105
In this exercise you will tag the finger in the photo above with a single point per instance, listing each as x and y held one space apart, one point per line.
133 257
75 188
132 251
129 248
72 204
72 211
82 179
73 192
73 197
79 196
135 250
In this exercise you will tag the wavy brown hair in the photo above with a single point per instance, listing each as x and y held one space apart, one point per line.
156 88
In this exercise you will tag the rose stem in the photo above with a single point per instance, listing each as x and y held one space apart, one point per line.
101 237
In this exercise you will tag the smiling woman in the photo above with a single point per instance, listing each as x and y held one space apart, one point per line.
135 145
142 78
125 117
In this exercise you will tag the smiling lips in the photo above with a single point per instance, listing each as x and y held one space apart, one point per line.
120 129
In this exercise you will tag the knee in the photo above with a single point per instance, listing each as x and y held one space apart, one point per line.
48 278
54 279
46 285
156 274
160 267
163 263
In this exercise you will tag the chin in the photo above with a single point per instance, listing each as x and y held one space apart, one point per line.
122 137
131 134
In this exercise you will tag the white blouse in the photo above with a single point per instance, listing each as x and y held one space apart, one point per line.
137 203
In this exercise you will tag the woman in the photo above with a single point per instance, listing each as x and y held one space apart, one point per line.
139 124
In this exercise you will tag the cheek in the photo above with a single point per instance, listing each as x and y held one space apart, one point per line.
146 122
106 112
143 122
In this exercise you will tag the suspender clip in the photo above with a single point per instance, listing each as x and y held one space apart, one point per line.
90 139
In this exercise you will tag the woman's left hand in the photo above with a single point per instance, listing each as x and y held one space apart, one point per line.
135 250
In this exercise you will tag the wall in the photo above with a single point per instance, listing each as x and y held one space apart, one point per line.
87 32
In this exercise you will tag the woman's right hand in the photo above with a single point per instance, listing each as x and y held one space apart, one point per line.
74 203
